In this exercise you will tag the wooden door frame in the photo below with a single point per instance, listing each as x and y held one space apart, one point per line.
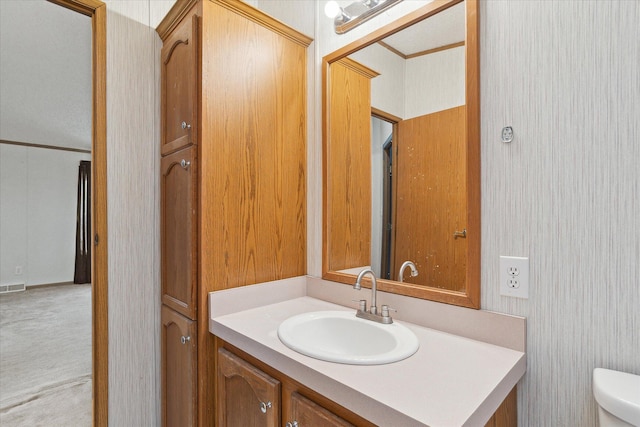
394 120
97 11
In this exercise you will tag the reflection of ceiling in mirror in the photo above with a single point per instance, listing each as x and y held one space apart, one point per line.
445 28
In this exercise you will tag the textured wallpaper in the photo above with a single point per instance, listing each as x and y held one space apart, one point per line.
133 167
565 192
564 74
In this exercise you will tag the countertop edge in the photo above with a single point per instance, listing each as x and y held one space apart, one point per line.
499 393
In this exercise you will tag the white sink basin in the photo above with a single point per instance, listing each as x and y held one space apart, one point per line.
340 336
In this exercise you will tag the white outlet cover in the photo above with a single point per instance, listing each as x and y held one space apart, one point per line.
514 285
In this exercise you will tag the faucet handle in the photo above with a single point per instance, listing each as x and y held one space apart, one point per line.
385 310
362 304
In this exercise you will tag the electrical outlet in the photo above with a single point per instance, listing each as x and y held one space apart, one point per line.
18 271
514 276
513 270
513 283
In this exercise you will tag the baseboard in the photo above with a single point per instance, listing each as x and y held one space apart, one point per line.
46 285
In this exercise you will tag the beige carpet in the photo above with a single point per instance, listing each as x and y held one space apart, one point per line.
45 357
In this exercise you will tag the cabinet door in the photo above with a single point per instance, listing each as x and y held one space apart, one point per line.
179 370
305 413
179 59
246 395
179 228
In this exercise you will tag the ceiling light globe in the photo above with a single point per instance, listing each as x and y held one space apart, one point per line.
332 9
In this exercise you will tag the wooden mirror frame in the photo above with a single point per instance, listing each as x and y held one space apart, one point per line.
471 297
97 11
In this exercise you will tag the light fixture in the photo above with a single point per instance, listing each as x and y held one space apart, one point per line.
344 19
332 9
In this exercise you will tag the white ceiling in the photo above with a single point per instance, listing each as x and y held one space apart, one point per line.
444 28
45 74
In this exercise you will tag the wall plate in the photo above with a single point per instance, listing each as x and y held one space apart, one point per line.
514 276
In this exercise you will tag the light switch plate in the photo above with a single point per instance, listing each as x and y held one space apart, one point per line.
514 276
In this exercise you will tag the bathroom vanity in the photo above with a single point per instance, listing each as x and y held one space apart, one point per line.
457 377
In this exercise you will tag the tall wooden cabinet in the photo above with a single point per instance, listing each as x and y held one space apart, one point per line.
233 177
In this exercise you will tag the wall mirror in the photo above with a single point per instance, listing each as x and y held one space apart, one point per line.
401 160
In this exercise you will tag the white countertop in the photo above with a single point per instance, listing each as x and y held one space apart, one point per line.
450 381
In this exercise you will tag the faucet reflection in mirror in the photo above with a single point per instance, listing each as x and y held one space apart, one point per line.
356 13
414 270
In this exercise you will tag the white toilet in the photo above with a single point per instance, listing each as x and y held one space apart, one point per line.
618 397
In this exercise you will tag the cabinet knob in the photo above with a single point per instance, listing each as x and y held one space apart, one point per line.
264 407
185 125
291 424
185 164
184 339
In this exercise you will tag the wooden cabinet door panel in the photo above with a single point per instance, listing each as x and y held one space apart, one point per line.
179 370
309 414
246 395
252 153
179 232
179 59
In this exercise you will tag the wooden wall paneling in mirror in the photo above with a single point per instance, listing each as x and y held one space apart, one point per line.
449 267
350 163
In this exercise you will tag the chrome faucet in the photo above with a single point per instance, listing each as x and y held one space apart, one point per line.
374 287
372 314
414 270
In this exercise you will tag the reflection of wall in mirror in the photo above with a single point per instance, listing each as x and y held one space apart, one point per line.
437 82
387 89
416 86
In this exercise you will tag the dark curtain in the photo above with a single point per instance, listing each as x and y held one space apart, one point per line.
83 225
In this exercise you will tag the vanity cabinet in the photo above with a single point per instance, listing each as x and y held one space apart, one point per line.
233 172
305 412
246 395
252 393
